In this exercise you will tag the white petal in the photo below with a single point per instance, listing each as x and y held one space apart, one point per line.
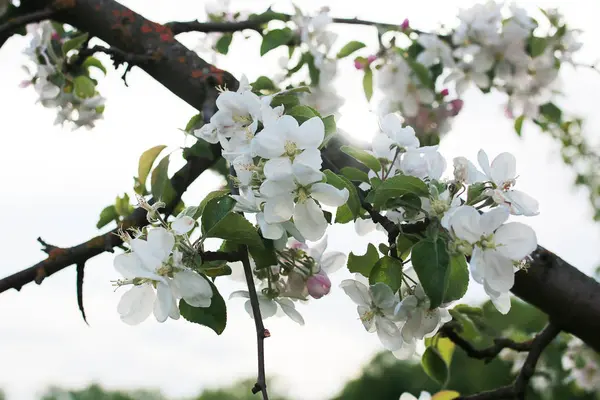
390 123
477 265
164 302
491 220
305 174
333 261
239 293
383 296
268 307
465 223
269 143
136 304
310 134
278 168
161 242
515 240
290 310
484 163
309 219
317 250
358 292
310 157
500 300
279 209
388 333
499 273
183 224
130 266
194 288
522 203
142 249
269 231
404 353
271 188
329 195
503 168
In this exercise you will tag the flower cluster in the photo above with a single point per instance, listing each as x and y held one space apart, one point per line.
582 364
496 248
277 162
156 270
69 90
301 271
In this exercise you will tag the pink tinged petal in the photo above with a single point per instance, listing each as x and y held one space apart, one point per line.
357 291
500 300
491 220
318 285
310 134
194 288
130 266
136 304
279 209
161 242
484 163
333 261
465 223
271 188
498 271
164 302
504 168
515 240
309 219
183 225
522 204
388 333
269 231
305 174
290 310
279 168
310 157
329 195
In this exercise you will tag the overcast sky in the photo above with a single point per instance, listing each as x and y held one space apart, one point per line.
54 183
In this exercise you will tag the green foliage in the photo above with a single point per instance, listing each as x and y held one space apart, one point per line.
330 129
434 366
398 186
519 124
160 184
194 123
458 279
365 263
275 38
222 45
387 270
212 195
431 262
303 113
368 83
264 83
84 87
93 62
355 174
213 316
145 165
219 221
363 157
350 48
352 206
74 43
107 215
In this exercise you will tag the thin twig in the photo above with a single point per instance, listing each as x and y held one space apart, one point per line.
517 390
21 20
489 353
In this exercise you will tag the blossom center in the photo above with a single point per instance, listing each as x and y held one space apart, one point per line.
291 148
439 207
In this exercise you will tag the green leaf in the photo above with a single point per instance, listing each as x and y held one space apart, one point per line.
355 174
363 157
398 186
94 62
421 71
212 195
214 210
263 83
213 316
122 205
387 270
468 329
194 123
365 263
107 215
434 366
264 257
159 180
368 83
446 395
330 129
537 45
288 100
313 72
404 244
551 112
84 87
431 262
458 281
235 228
353 203
200 149
222 45
74 43
145 164
343 215
519 124
302 113
275 38
475 193
350 48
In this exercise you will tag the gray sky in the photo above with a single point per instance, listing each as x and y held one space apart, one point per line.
55 182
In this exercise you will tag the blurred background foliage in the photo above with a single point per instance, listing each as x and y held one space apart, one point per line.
385 378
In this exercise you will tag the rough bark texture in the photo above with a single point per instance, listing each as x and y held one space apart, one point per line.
569 297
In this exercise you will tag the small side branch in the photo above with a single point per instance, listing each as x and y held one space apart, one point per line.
261 333
489 353
518 389
220 255
13 24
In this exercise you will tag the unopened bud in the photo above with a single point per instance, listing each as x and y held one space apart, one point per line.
404 25
455 106
358 64
371 58
444 92
318 285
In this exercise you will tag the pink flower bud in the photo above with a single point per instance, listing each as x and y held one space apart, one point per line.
318 285
455 106
371 58
55 36
358 65
404 26
444 92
